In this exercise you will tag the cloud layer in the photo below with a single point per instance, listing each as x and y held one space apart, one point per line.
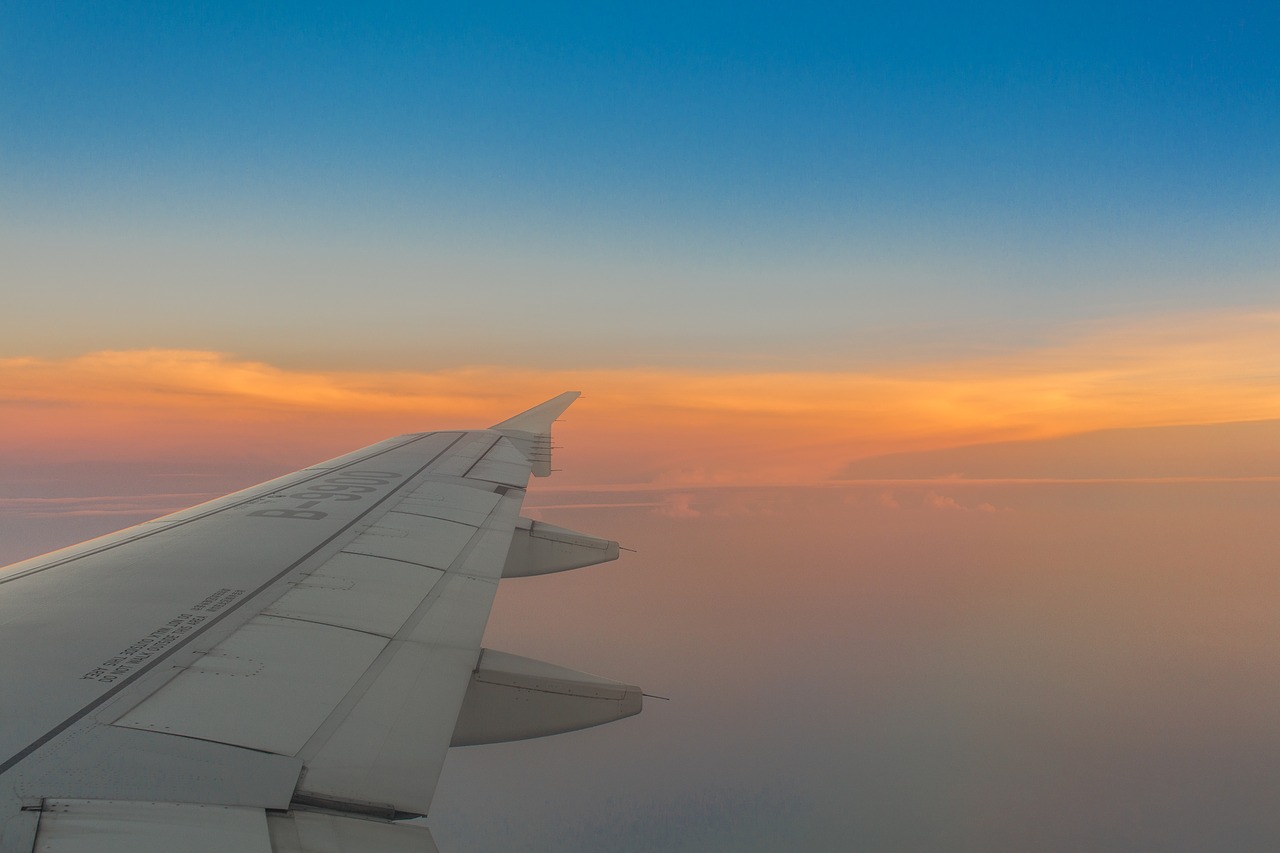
653 426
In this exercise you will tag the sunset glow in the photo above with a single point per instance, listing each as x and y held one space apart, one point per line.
675 426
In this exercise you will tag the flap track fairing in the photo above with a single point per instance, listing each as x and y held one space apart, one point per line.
515 698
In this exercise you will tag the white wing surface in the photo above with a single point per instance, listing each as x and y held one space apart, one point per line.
285 668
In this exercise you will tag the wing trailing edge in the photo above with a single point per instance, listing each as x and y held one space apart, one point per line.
121 826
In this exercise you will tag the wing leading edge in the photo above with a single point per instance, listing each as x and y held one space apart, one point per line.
284 669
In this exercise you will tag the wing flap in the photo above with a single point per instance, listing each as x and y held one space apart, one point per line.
385 755
386 747
451 501
355 591
430 542
268 686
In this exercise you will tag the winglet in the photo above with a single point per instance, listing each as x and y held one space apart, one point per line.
530 431
538 420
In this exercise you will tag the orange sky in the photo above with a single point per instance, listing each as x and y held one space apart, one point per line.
648 425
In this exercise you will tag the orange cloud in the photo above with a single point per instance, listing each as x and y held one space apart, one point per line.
648 425
678 505
934 500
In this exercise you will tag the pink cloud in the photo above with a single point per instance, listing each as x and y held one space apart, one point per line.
888 501
937 501
678 505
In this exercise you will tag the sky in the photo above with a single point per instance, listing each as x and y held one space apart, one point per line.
968 315
411 186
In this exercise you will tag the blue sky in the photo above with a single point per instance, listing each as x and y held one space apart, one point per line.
715 179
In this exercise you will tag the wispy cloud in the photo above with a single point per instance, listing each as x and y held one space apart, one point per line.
153 504
678 505
934 500
661 426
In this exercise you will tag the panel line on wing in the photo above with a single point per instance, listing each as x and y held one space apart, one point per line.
378 594
326 623
302 669
447 573
433 542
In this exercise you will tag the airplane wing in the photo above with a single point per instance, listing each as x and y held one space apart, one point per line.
284 669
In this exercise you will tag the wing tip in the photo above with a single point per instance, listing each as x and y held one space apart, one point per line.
539 419
530 430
